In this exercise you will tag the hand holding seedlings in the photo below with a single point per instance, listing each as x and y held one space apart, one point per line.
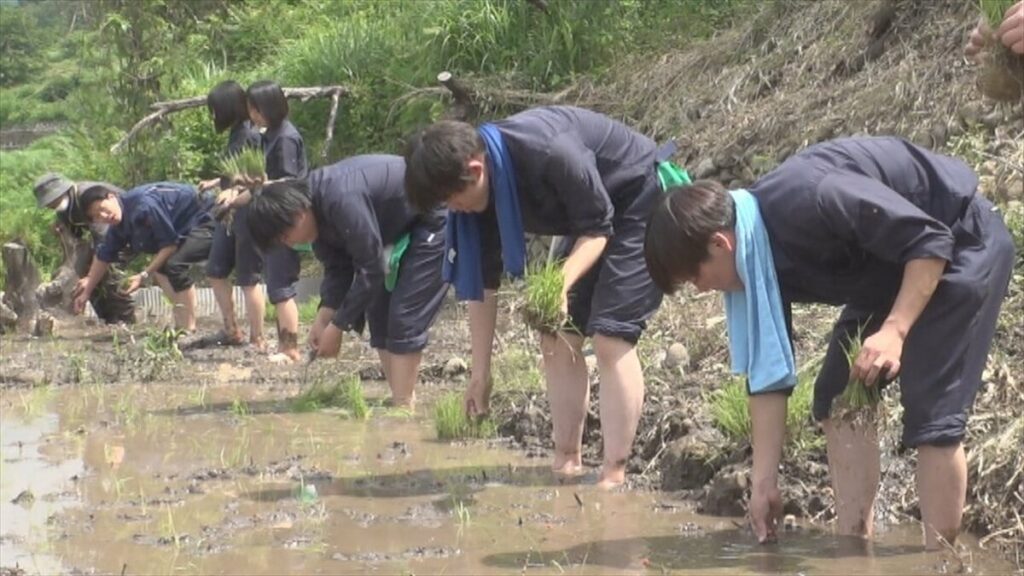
879 356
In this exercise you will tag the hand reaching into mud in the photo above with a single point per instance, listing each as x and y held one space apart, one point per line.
329 342
81 296
478 396
765 512
879 357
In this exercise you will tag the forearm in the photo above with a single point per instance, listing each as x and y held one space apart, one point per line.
920 278
96 271
160 259
583 256
768 433
482 318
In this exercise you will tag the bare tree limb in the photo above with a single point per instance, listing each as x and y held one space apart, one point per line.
162 109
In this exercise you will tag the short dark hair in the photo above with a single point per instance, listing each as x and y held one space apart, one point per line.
679 229
273 210
267 97
228 105
435 162
92 195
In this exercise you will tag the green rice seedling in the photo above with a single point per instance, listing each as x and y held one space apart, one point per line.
451 422
857 400
346 394
993 10
542 309
729 410
247 165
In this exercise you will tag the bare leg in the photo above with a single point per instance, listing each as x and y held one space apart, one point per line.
853 461
288 329
254 311
177 304
402 373
187 301
622 400
568 394
942 488
222 292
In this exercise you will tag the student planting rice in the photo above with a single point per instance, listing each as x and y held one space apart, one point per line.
556 171
897 236
382 260
285 156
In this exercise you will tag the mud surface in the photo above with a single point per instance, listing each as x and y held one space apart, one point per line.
122 460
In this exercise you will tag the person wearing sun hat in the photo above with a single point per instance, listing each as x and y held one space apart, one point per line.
55 192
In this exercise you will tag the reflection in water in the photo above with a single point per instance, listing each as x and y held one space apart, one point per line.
227 480
41 487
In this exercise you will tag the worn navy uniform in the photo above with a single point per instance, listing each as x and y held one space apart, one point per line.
234 249
285 157
111 304
580 173
158 215
360 207
844 217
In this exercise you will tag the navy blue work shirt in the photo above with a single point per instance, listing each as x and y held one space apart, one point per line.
360 206
153 217
284 152
845 216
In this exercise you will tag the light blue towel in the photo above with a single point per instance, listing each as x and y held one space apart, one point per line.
758 341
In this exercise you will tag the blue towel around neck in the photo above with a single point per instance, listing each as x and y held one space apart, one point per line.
462 264
758 340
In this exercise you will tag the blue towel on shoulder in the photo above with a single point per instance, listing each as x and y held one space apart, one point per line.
758 340
462 265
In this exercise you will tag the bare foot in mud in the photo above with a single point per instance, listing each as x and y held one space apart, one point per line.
259 344
403 403
611 479
280 358
567 466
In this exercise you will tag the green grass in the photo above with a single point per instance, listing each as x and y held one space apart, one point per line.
516 370
451 422
729 410
346 393
542 306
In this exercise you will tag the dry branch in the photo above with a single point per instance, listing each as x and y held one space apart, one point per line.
162 109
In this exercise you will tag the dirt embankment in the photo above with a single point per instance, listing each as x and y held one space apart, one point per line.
787 75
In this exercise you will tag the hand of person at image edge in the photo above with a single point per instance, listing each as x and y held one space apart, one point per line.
1010 33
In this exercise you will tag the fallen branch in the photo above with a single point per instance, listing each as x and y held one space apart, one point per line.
162 109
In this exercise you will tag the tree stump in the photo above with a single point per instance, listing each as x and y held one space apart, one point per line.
463 108
22 281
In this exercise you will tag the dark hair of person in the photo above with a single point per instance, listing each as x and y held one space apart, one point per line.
680 228
435 162
273 210
227 104
92 195
268 99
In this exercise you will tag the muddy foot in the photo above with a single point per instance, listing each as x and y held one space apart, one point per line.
568 468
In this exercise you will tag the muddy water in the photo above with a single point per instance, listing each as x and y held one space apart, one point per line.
223 478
